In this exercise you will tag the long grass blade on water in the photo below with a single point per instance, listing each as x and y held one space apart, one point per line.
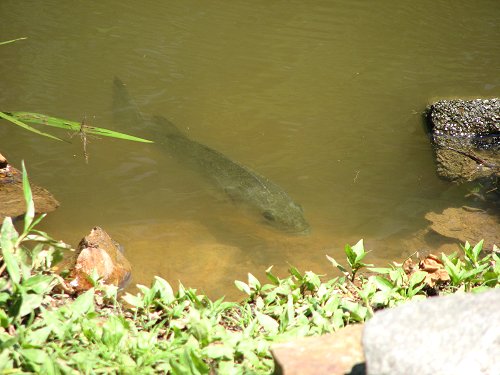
40 119
8 116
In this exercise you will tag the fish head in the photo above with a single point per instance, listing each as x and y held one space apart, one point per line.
288 217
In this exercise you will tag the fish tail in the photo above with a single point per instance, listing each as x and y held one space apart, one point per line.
125 110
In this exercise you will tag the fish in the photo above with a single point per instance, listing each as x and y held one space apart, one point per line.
239 182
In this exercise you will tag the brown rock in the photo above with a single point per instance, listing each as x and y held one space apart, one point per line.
466 224
336 354
99 252
12 201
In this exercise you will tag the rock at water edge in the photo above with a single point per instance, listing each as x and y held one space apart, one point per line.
99 252
335 354
456 335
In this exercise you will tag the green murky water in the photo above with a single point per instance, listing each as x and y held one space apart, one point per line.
324 98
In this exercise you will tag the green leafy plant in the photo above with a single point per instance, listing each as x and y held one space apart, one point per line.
29 281
160 330
473 272
355 254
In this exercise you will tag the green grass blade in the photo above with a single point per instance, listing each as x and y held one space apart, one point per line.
8 239
28 197
14 120
37 118
111 133
40 119
12 41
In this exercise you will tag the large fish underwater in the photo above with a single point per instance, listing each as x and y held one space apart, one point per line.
236 180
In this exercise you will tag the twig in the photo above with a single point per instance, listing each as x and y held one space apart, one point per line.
475 158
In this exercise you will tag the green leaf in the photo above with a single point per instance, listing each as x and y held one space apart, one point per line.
134 301
227 367
166 291
417 278
359 251
35 356
475 271
8 117
193 362
83 304
351 255
40 284
455 271
6 363
253 282
8 239
477 249
114 134
113 332
496 259
271 277
358 312
37 118
243 287
268 323
30 205
337 265
382 283
38 337
295 272
5 320
216 351
30 302
312 279
332 304
397 275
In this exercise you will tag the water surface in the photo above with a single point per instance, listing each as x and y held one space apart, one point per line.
323 98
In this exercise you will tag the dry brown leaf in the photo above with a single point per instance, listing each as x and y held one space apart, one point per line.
435 269
436 273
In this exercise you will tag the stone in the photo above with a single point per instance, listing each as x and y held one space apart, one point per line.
456 335
466 138
99 252
467 224
336 354
12 201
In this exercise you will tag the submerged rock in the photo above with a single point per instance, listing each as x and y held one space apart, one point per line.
12 201
466 224
457 334
99 252
466 138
